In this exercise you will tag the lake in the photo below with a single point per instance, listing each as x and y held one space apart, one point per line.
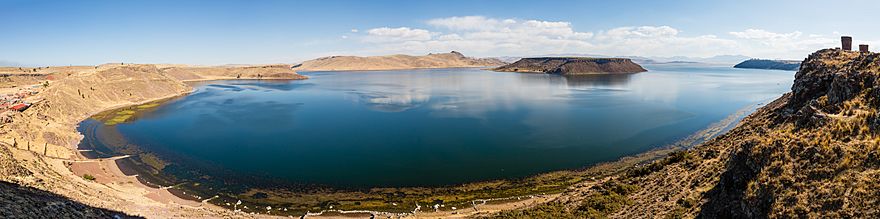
428 127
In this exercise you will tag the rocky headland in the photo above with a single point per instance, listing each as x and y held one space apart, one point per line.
788 65
572 66
396 62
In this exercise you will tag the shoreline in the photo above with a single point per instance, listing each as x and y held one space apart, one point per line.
601 170
393 69
569 74
243 79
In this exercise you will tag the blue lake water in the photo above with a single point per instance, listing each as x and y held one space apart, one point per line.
438 127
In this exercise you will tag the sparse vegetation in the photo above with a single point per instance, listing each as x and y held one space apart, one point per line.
603 200
88 177
609 197
674 157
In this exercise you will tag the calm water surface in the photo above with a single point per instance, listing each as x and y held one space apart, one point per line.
438 127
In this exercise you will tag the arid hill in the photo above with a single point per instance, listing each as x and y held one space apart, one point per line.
14 76
395 62
814 152
68 101
188 73
572 66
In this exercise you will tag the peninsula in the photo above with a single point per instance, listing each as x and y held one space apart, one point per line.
573 66
788 65
396 62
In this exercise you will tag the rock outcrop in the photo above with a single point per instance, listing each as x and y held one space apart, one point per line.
814 152
572 66
395 62
788 65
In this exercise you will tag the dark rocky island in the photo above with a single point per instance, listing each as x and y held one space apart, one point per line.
788 65
572 66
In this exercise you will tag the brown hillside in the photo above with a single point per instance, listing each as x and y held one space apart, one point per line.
186 73
395 62
68 101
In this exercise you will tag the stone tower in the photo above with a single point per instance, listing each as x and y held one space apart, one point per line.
863 48
847 43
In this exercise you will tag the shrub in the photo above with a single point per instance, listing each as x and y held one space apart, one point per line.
88 177
674 157
610 197
687 202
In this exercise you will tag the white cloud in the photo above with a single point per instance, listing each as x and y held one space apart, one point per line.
483 36
489 28
466 23
400 34
765 35
642 32
766 43
354 30
450 37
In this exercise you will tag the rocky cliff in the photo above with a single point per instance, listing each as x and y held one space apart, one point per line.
395 62
788 65
814 152
572 66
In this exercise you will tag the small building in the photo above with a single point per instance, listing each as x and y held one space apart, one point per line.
846 42
20 107
863 48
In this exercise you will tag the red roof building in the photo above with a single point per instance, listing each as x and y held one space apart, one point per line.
19 107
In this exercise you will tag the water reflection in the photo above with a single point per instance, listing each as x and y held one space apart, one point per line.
440 126
392 101
593 81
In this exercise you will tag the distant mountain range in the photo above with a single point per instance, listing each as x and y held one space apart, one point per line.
720 59
10 64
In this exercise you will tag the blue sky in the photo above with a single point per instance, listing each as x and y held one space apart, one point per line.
226 32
